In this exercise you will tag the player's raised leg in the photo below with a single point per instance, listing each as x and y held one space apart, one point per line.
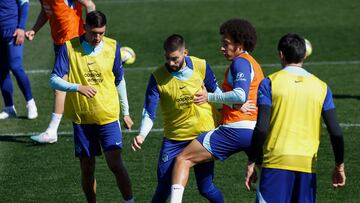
193 154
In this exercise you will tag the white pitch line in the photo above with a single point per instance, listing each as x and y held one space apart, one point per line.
142 68
70 132
345 125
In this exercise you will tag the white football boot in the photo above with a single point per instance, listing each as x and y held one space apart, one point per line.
31 110
47 137
8 112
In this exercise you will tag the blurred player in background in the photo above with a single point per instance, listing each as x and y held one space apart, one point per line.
89 69
241 83
65 19
13 16
173 86
291 103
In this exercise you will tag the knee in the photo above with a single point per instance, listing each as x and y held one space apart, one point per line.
17 71
209 191
183 161
204 191
116 168
87 168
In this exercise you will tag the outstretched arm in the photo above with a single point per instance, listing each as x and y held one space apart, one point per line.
40 22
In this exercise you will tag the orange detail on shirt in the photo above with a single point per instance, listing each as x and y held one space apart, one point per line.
65 23
231 115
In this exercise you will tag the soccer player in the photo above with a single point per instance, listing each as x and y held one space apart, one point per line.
173 86
89 69
291 102
65 19
241 82
13 18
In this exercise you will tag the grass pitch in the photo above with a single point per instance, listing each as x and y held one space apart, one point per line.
50 173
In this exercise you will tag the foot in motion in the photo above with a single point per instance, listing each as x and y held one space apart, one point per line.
8 112
48 136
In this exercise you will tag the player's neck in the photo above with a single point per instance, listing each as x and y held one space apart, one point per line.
293 64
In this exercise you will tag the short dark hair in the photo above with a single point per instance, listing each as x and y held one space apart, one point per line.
240 31
174 42
292 47
95 19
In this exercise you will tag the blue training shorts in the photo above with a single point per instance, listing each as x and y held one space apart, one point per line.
278 185
90 138
222 142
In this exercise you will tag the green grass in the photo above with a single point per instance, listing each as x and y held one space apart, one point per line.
50 173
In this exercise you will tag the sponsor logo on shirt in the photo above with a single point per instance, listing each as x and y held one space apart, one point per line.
240 77
185 101
93 77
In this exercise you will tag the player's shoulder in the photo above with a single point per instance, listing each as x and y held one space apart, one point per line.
109 40
240 63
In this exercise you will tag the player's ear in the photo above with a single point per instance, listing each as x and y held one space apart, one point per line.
281 55
186 52
239 47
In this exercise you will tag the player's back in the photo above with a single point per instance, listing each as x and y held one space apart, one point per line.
294 133
65 19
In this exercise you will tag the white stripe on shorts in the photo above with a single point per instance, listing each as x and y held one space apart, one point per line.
206 141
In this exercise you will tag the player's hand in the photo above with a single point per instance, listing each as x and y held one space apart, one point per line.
137 142
30 35
338 176
87 91
19 36
201 96
128 123
247 108
250 176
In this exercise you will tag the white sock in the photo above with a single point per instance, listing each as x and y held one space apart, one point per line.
55 122
130 201
31 102
177 192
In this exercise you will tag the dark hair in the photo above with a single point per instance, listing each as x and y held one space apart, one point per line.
240 31
95 19
292 47
174 43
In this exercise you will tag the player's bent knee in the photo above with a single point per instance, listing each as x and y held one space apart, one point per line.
184 161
